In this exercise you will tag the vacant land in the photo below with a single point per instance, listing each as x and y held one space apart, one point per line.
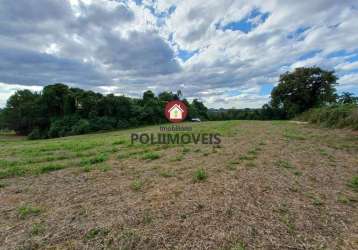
270 185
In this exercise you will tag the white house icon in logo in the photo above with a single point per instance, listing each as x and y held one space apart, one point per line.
176 112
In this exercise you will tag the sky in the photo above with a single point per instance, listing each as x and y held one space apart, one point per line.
227 53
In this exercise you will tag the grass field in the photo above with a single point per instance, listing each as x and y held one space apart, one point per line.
268 185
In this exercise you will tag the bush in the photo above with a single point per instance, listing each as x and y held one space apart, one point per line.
103 123
35 134
122 124
63 127
337 116
81 127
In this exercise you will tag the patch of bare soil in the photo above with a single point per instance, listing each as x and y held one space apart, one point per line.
268 186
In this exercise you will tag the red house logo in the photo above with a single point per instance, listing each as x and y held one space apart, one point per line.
175 111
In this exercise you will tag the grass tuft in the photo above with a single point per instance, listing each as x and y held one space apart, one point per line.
37 229
95 160
167 174
354 183
50 168
27 210
94 232
151 156
136 185
284 164
200 175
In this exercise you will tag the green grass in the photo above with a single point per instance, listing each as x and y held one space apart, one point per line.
186 150
284 164
238 246
151 156
96 232
37 229
22 157
177 158
95 160
136 185
49 168
27 211
200 175
167 174
353 183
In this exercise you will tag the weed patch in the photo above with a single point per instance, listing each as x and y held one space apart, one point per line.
167 174
284 164
96 232
151 156
37 229
95 160
136 185
120 142
354 183
27 210
50 168
200 175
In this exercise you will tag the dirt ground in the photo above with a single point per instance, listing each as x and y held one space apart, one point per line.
268 185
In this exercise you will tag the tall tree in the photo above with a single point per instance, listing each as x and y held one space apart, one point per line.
55 97
303 89
22 111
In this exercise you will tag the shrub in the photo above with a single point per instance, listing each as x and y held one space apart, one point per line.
81 127
337 116
103 123
62 127
122 124
35 134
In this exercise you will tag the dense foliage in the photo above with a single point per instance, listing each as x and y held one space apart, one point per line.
60 111
264 113
302 89
335 116
297 92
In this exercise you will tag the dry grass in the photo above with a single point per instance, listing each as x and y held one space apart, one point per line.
271 185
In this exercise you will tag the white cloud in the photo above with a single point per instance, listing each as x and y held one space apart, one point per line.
129 47
6 90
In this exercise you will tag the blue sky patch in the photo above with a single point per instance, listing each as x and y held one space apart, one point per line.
186 54
246 25
266 89
233 93
309 54
298 33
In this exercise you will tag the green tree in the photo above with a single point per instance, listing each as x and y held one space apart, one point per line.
55 97
22 112
198 110
302 89
347 98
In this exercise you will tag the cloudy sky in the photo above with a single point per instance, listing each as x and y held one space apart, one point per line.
228 53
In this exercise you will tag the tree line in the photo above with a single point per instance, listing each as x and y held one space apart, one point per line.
296 92
61 111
